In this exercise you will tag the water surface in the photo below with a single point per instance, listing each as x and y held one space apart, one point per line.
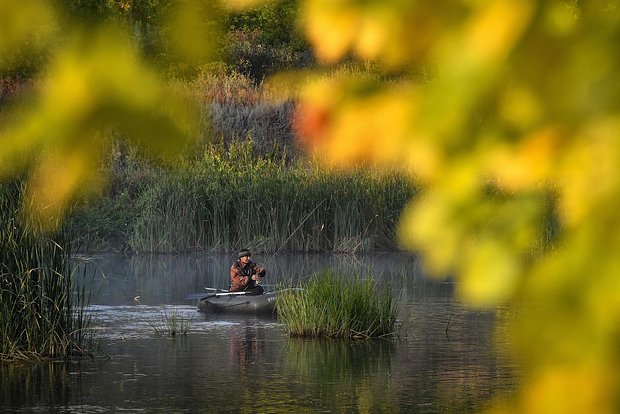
447 360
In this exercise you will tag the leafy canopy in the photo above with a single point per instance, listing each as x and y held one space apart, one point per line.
94 80
507 112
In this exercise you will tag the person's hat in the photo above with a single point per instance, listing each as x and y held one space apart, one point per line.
244 252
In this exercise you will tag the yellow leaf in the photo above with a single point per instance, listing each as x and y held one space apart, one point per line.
54 182
418 231
588 171
493 30
520 108
371 38
531 163
80 97
422 158
331 29
190 31
374 129
21 22
570 389
489 274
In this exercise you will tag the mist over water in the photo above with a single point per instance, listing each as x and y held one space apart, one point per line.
445 361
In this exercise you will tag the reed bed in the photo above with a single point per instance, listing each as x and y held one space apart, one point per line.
253 188
41 310
229 197
329 306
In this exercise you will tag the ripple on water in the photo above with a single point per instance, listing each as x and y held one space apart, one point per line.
141 321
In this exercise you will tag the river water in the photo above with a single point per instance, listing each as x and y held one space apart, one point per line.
448 359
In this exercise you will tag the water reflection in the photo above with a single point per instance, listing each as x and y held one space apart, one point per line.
246 347
24 384
445 361
350 376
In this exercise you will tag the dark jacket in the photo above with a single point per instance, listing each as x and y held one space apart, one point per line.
241 276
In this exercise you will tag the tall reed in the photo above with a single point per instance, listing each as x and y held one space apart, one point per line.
331 306
41 316
229 197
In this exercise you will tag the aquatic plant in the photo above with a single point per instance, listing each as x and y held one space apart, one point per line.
41 309
171 324
332 306
230 196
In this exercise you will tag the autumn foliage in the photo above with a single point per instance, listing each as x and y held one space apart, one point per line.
504 111
512 130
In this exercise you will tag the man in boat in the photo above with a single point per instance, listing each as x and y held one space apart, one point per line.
245 275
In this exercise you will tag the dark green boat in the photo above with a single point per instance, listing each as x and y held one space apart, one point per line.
238 303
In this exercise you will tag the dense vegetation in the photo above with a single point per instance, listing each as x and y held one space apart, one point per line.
252 187
257 42
226 197
41 314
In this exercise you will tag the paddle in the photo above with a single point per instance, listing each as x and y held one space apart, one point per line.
224 293
192 296
231 293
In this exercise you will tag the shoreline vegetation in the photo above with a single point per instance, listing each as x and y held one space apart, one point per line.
229 196
246 182
36 283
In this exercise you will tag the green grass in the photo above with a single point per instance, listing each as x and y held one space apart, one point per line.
41 309
329 306
227 197
171 324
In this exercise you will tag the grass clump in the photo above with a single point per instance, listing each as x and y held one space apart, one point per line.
329 306
41 309
172 324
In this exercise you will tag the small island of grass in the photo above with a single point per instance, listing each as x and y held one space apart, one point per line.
328 306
